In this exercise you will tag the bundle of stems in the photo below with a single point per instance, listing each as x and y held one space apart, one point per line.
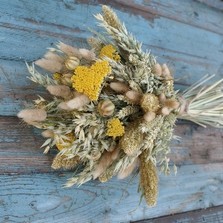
204 104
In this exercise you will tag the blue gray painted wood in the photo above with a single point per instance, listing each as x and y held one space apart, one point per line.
188 35
40 198
178 32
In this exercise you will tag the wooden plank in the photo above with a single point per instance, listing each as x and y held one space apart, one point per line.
217 4
40 198
20 147
209 215
192 46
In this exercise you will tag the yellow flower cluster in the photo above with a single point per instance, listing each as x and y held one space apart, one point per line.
57 76
115 128
66 143
88 80
109 51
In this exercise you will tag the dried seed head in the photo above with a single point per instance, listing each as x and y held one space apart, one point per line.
149 116
150 102
133 96
129 169
64 106
49 65
157 69
53 57
172 103
60 91
95 43
166 71
132 140
87 54
105 161
162 97
76 103
48 134
72 62
165 111
110 17
148 179
119 87
106 108
62 161
69 50
32 115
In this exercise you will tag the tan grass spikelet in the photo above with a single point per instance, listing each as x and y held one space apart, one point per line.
48 134
110 17
132 140
32 115
106 159
133 96
60 91
148 179
157 69
69 50
49 65
119 87
78 102
128 170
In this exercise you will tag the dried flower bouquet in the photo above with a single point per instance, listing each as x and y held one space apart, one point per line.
113 108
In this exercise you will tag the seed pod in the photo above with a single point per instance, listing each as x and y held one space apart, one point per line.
148 179
106 108
150 103
71 63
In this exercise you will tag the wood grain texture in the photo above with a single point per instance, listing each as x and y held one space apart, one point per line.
40 198
179 33
210 215
217 4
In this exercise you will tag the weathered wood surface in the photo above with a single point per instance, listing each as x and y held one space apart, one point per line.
177 32
188 35
40 198
213 215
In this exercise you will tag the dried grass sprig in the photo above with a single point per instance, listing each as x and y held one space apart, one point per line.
204 104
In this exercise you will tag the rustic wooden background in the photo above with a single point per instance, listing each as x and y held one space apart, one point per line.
188 35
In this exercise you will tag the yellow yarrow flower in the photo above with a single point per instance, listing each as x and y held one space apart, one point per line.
57 76
109 51
88 80
115 128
